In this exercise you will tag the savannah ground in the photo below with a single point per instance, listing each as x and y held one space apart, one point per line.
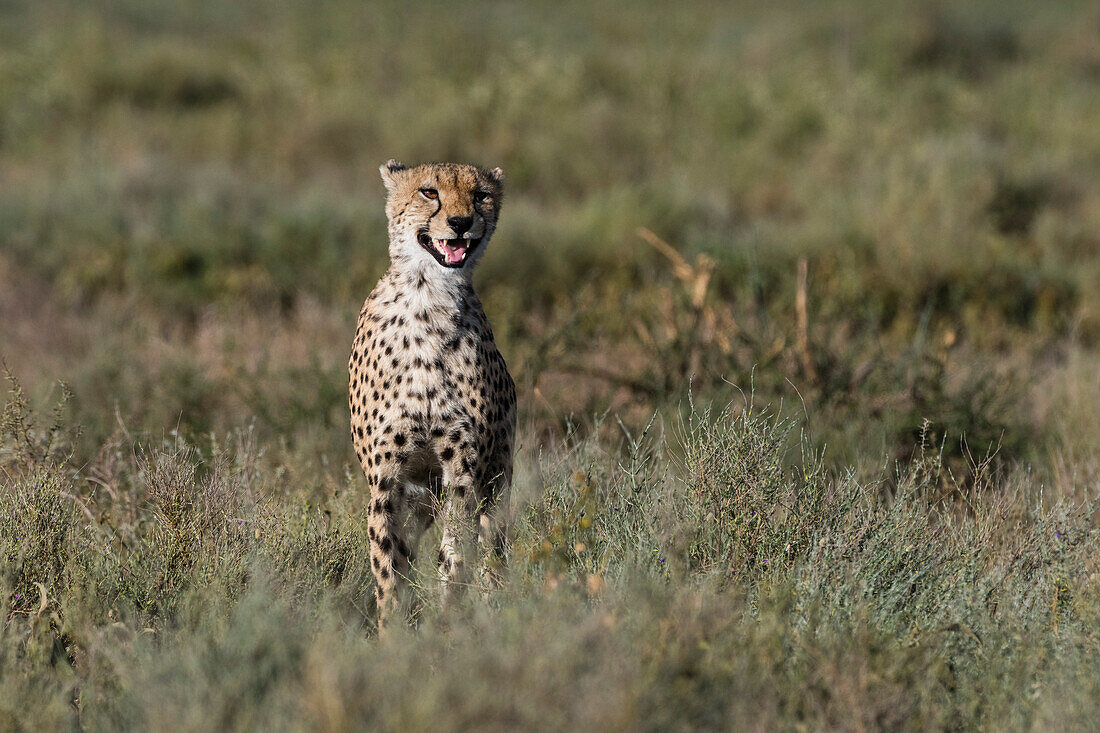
803 304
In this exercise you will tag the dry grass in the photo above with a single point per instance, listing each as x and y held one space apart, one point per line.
801 302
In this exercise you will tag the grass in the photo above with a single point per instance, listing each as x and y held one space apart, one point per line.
735 583
801 303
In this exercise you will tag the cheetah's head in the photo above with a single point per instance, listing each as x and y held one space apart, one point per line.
447 211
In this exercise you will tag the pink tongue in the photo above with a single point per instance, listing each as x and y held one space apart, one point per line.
454 254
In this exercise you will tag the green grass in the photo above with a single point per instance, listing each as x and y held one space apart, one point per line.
883 519
738 583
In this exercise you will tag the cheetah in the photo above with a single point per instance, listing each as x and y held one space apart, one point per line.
432 403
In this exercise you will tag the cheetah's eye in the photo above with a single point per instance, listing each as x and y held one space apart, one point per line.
480 196
429 193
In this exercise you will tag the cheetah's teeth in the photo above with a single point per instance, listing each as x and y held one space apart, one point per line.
453 250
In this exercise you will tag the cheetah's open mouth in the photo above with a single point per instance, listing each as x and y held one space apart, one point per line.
448 252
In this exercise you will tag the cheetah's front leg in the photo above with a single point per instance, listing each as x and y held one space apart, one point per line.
492 530
459 527
390 553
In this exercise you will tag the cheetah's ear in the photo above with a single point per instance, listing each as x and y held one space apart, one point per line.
497 175
391 172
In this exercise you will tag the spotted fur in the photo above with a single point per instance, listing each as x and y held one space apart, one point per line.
432 402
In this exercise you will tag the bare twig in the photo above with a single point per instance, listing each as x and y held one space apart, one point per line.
803 317
680 266
622 380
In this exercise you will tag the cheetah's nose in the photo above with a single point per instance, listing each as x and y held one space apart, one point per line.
461 224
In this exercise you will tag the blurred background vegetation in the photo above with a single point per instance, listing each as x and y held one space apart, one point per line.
881 220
